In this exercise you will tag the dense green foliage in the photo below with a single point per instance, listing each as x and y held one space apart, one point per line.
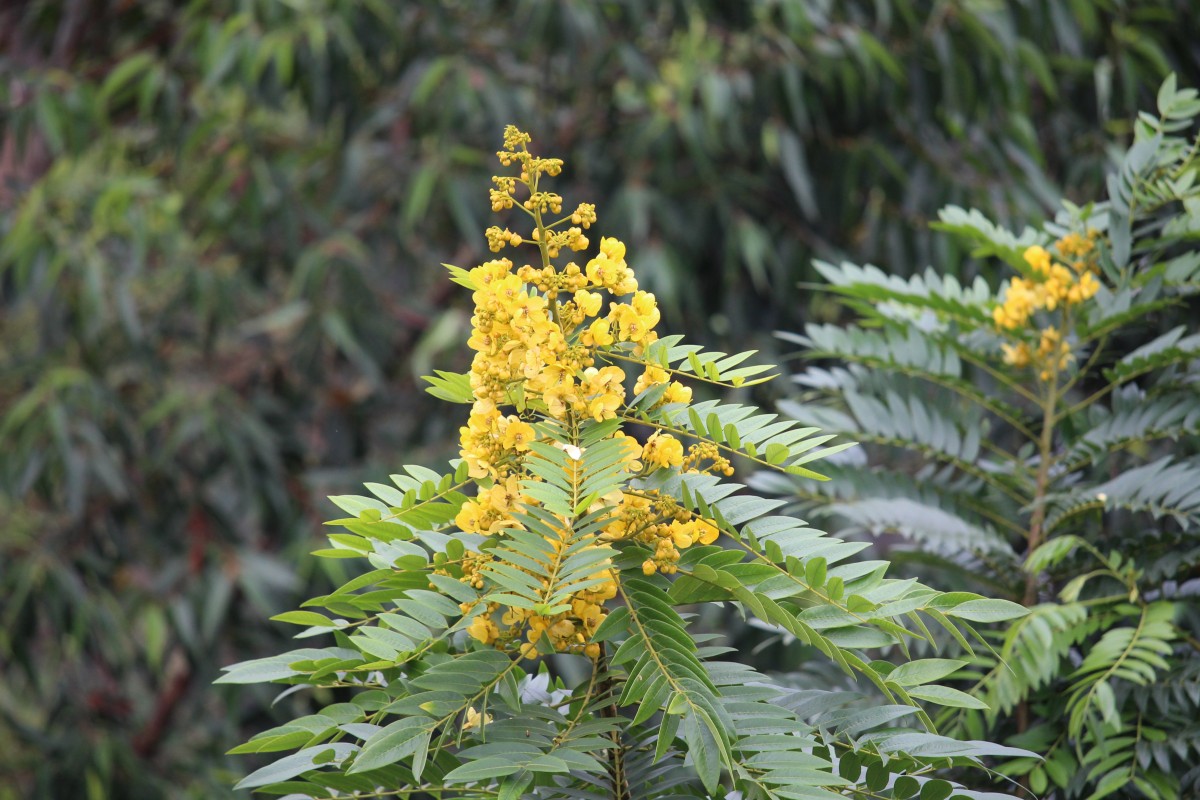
219 222
1065 479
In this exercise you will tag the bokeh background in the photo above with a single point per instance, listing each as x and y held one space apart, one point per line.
220 229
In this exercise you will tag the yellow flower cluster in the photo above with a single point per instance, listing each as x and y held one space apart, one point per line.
1016 355
1052 286
656 376
1078 248
660 524
538 333
1052 353
655 520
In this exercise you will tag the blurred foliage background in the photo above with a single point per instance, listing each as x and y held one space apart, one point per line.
220 225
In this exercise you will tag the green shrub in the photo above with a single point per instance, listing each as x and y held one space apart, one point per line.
1040 442
532 640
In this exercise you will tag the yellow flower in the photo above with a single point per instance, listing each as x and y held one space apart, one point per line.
477 439
514 616
1038 258
706 531
1085 289
498 238
636 320
500 199
608 270
1049 341
680 536
652 375
1021 299
603 392
585 611
488 273
483 629
1073 245
1057 286
468 517
633 450
677 393
588 302
518 435
475 720
585 215
575 239
663 450
603 271
1017 356
599 333
613 249
1053 353
489 511
504 495
560 399
514 139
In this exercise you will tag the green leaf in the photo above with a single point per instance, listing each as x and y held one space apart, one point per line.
615 623
404 737
936 790
945 696
777 453
262 670
297 764
704 748
877 776
483 769
461 276
814 572
121 75
1051 553
926 670
305 618
987 610
850 766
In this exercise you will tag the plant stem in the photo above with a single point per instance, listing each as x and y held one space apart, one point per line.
1045 443
543 246
616 756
